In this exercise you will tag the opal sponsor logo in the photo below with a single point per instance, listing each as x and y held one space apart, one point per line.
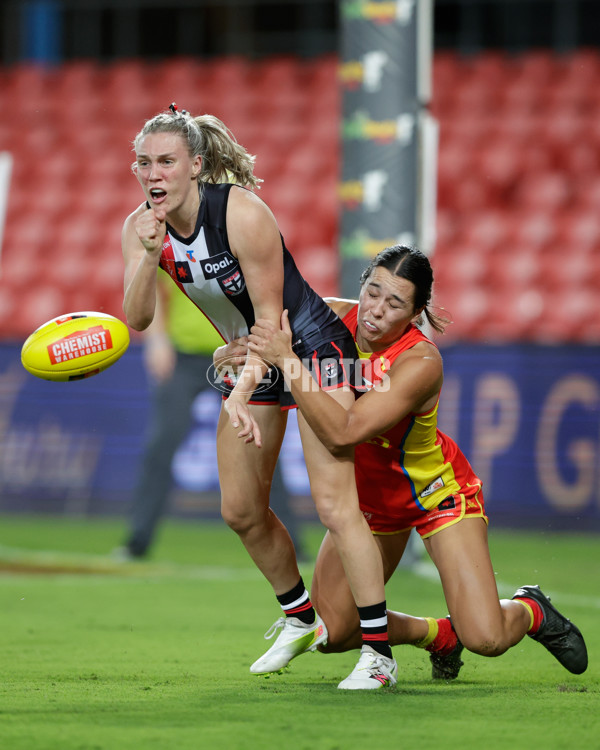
218 265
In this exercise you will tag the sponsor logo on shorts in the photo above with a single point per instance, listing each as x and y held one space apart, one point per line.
80 344
447 504
436 516
437 484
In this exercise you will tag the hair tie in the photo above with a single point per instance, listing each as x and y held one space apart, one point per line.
174 109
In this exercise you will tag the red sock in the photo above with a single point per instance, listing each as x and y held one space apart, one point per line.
538 615
445 640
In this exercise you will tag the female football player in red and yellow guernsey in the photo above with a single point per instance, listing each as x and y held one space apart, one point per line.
222 247
409 474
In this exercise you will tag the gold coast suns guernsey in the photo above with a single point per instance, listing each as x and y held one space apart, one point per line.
412 467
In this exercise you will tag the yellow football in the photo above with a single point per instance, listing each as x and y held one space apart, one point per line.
75 346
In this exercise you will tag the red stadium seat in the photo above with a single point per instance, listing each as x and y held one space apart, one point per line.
520 97
37 305
567 315
537 67
587 193
581 159
499 164
446 227
465 308
486 229
511 266
459 266
534 228
547 191
518 184
535 155
514 314
563 272
579 230
321 268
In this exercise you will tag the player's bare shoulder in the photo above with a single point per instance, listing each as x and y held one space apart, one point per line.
418 372
245 201
251 225
340 307
424 361
425 351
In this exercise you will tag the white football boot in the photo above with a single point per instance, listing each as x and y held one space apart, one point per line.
373 671
295 638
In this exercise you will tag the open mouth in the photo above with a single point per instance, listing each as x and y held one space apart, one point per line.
157 194
369 326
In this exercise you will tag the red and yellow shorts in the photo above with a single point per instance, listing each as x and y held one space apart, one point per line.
451 510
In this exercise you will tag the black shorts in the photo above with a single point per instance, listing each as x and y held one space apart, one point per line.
331 363
321 341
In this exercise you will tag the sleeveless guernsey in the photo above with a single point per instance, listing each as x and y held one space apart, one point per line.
205 269
412 467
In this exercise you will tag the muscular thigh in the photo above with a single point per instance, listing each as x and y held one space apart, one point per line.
391 548
461 555
331 477
245 471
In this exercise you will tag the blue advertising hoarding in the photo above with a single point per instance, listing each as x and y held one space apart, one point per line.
527 417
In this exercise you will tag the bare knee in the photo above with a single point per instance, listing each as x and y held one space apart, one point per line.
484 643
328 516
242 520
340 639
333 514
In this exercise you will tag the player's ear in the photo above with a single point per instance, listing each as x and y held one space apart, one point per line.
196 167
418 312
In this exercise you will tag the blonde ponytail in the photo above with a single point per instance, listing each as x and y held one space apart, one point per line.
223 159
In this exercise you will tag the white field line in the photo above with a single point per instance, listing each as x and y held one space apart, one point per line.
428 571
104 565
76 565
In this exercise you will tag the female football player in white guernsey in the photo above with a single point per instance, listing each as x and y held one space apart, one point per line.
222 247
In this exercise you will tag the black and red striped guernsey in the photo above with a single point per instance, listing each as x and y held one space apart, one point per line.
206 270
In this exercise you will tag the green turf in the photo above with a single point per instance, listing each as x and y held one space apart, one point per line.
97 655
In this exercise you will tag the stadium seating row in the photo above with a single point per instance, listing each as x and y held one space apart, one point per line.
518 189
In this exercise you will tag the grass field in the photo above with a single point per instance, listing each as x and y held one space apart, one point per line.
97 655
